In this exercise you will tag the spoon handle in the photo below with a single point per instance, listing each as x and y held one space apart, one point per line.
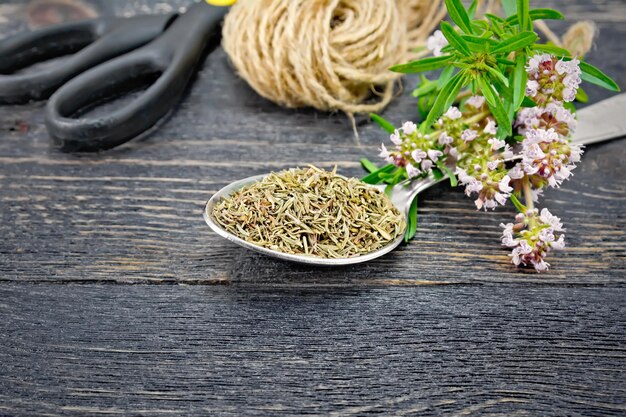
598 122
601 121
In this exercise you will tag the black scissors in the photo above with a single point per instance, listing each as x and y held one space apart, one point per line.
112 56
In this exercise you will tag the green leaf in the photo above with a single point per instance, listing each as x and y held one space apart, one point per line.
424 64
518 205
519 81
510 7
480 25
496 106
515 42
459 15
523 14
442 166
593 75
447 49
496 24
380 121
494 18
368 165
528 102
455 39
446 97
471 11
393 178
498 75
425 103
374 177
411 221
426 87
537 14
477 44
581 96
446 74
437 174
552 49
504 61
570 106
504 92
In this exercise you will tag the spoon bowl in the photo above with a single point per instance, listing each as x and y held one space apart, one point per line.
303 259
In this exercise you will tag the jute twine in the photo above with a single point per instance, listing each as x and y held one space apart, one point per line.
333 54
327 54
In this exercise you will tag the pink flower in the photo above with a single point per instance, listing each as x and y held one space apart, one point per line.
468 135
504 186
473 186
548 157
476 101
434 154
507 235
435 42
532 86
453 113
490 192
532 238
559 244
395 138
412 171
445 139
384 153
492 165
507 152
516 172
552 80
490 128
409 128
548 218
418 155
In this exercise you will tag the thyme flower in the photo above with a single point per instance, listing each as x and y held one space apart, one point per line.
532 237
548 157
552 79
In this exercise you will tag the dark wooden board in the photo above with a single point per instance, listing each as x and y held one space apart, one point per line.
173 350
443 325
134 213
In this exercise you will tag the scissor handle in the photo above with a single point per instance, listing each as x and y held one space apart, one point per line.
91 41
168 62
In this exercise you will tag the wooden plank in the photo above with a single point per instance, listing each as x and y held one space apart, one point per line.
254 350
133 214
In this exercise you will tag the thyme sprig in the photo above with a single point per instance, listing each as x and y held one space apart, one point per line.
501 95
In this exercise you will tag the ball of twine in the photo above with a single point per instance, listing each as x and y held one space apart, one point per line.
327 54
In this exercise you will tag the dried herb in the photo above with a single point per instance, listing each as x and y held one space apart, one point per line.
311 212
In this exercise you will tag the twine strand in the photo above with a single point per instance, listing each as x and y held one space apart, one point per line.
327 54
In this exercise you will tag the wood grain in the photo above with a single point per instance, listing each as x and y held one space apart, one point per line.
258 350
444 325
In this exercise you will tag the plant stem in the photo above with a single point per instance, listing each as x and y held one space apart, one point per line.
477 117
530 205
528 195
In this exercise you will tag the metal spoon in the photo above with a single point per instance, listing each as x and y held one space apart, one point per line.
602 121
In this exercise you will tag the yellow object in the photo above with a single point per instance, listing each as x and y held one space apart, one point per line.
221 2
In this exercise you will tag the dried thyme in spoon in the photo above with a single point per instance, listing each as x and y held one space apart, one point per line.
311 212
